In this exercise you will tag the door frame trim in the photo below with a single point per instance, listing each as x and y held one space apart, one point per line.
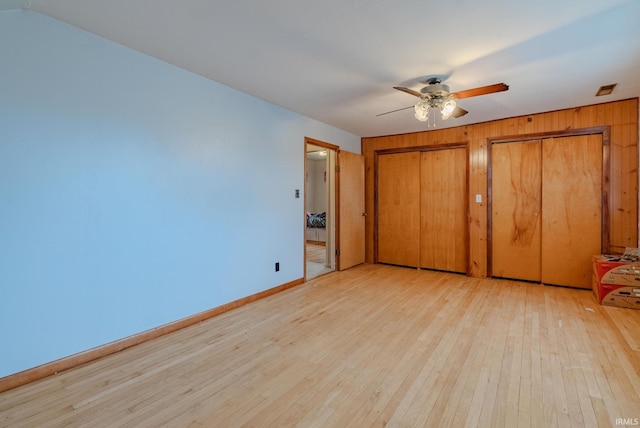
604 131
336 149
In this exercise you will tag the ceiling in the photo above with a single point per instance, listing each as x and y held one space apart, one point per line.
337 60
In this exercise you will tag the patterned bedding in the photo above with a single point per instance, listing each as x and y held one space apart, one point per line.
317 220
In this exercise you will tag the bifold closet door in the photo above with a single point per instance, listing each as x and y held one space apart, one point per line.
516 210
398 185
572 209
444 210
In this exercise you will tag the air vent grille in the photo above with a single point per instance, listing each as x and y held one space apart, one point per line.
606 90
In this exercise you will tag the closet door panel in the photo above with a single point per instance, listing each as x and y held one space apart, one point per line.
398 185
572 209
516 210
444 210
351 209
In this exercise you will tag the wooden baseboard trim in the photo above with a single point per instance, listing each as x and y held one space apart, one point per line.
26 376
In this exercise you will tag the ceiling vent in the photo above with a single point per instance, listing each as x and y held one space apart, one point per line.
606 90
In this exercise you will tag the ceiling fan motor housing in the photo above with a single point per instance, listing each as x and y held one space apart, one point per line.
436 90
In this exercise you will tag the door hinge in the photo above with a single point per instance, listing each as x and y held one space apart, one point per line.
337 252
337 168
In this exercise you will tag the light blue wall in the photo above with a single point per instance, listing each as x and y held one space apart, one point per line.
133 193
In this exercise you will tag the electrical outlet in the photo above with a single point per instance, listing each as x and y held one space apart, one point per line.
277 266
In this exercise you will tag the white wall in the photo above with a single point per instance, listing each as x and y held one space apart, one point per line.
316 186
133 193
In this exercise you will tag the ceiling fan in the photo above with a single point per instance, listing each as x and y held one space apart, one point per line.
437 95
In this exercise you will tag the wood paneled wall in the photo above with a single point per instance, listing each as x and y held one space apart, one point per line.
620 116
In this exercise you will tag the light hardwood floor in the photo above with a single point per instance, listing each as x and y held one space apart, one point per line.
371 346
316 261
316 253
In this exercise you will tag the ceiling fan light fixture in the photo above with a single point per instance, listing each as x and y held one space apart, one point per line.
447 107
422 110
436 95
445 104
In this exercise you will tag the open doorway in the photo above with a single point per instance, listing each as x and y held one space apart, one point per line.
320 208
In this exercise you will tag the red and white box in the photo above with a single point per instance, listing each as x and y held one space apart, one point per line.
616 280
612 269
616 295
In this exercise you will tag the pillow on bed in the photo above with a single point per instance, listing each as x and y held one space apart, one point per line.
317 220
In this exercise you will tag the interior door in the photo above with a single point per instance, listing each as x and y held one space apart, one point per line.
444 210
516 210
351 206
398 229
572 208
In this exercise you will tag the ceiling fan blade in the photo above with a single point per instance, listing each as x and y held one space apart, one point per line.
483 90
458 112
393 111
408 91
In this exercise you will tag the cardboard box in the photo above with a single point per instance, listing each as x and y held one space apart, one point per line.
616 270
616 295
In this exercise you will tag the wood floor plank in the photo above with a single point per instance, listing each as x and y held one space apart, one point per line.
470 408
371 346
444 412
536 406
316 253
525 390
